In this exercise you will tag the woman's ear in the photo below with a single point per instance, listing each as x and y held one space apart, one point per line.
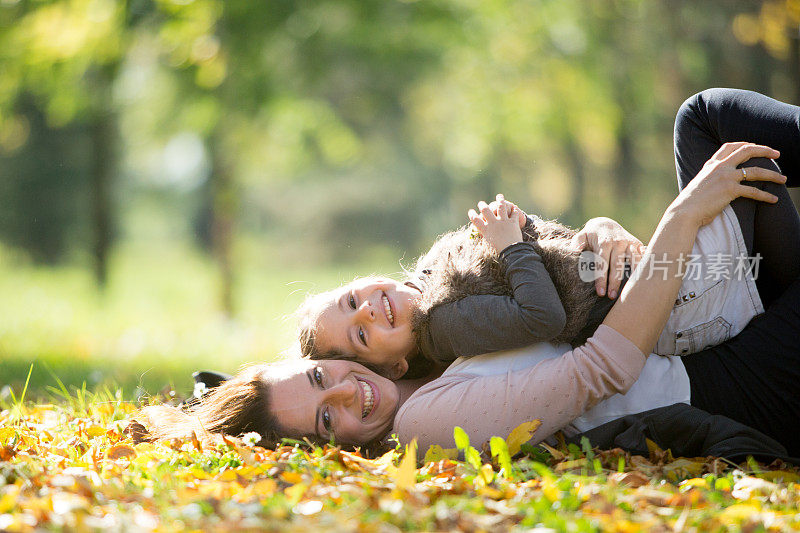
397 370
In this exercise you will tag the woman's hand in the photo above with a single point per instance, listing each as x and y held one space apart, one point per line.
500 227
615 246
719 182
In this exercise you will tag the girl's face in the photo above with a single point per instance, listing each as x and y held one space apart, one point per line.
370 319
332 399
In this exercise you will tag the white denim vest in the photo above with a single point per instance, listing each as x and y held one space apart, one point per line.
719 301
707 312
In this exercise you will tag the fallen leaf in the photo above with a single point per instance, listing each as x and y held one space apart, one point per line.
119 451
406 475
95 431
437 453
634 479
567 465
520 435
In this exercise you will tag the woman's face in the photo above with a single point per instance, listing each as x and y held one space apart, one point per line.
332 399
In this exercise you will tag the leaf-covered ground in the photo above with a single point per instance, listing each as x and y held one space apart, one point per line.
70 465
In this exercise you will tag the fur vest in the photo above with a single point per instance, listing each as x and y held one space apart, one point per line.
461 264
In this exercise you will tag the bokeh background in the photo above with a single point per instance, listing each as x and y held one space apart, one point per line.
176 175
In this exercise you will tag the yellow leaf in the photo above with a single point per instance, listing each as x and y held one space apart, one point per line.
487 472
227 475
199 473
557 455
95 431
682 468
550 489
6 434
657 455
8 502
436 453
295 493
738 512
652 447
264 487
779 476
491 492
567 465
291 477
406 475
695 482
520 435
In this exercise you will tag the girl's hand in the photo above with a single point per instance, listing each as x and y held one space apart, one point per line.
522 217
719 182
614 246
501 228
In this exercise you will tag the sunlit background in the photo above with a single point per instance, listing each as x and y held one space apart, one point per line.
176 175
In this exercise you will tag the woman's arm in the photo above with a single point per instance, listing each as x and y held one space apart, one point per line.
647 299
555 391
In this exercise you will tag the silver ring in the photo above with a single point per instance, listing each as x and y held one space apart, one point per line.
744 173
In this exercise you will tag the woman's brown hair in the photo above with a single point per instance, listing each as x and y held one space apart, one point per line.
237 406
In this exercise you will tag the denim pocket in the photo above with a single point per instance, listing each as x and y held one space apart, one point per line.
696 321
702 336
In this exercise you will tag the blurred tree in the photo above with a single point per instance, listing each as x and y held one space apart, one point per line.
320 119
67 55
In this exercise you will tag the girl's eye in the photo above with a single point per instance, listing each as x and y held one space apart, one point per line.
318 376
326 420
352 301
362 337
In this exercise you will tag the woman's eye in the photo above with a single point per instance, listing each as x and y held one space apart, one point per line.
362 337
352 301
318 376
326 420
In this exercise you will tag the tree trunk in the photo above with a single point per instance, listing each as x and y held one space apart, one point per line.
103 131
625 167
223 213
577 212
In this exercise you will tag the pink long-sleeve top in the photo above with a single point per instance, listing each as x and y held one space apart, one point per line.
555 391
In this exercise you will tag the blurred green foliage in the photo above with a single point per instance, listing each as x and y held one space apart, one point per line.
194 157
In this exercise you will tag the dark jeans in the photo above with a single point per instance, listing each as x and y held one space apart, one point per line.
711 118
753 378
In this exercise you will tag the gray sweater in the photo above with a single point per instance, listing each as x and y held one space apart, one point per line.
474 324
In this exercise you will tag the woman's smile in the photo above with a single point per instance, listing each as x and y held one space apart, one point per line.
370 397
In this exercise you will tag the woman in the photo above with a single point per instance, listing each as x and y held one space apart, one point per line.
341 398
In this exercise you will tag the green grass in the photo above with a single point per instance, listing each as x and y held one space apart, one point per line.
158 319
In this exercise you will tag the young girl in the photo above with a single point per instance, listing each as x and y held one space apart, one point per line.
515 283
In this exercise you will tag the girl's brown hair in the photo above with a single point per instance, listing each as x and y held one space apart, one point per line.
237 406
